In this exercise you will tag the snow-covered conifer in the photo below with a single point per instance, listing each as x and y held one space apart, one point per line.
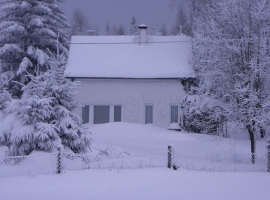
42 118
5 99
133 27
108 29
31 127
27 29
69 126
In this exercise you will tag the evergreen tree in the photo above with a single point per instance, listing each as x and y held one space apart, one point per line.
120 30
69 126
133 27
42 118
31 128
108 29
27 29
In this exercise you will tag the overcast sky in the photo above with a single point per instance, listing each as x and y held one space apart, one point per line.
119 12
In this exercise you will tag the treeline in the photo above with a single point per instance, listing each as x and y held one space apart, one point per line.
81 25
232 64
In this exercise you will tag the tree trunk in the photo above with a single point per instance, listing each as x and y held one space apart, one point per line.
252 142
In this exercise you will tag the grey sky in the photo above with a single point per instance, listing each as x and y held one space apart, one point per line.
119 12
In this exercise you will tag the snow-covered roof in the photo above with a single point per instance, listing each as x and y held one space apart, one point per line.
123 57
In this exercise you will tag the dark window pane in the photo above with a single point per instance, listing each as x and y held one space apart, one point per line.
174 114
148 114
101 114
85 114
117 113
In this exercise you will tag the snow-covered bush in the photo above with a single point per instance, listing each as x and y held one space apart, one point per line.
201 116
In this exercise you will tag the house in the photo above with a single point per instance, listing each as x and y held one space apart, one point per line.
134 79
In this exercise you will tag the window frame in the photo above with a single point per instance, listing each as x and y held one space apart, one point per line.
114 115
107 117
178 113
85 114
111 112
145 117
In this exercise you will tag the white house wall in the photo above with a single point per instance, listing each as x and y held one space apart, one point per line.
132 95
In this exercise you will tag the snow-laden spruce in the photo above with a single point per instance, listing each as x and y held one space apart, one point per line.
133 27
70 128
42 118
27 29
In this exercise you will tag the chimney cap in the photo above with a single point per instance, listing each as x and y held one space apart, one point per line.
142 26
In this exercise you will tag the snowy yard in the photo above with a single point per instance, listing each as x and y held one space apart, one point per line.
143 184
150 183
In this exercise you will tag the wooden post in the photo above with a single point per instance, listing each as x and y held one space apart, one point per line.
59 159
169 156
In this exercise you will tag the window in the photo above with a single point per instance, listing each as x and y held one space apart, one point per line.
174 114
117 113
101 114
85 114
148 114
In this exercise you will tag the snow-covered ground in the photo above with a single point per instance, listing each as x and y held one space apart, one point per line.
150 140
151 183
142 184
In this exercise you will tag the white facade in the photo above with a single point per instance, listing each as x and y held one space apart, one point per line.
132 95
133 79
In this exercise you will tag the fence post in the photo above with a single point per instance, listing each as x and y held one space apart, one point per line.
170 156
59 158
268 154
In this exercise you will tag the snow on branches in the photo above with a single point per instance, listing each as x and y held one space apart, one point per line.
231 58
42 118
26 26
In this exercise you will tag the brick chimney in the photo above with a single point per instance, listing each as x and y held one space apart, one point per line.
142 39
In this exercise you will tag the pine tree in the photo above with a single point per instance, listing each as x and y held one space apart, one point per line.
133 28
120 30
27 29
42 118
108 29
69 126
31 128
